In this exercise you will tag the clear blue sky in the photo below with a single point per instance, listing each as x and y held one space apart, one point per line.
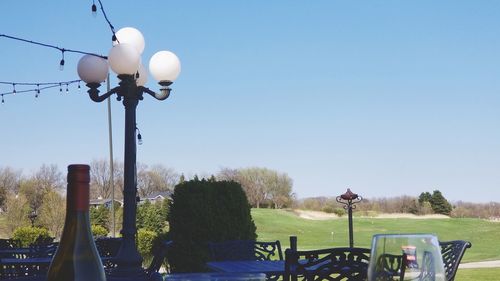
385 97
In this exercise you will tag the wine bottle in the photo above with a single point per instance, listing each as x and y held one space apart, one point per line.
76 258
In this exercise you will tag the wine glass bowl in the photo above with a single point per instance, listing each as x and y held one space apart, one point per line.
405 257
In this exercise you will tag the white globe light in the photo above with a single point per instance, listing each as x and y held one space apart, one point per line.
92 69
165 66
143 76
130 35
124 59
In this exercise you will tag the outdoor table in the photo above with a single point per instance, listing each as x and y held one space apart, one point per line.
216 276
269 267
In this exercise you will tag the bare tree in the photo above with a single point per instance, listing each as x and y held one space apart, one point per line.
31 190
261 184
156 179
279 188
227 174
10 179
49 177
253 182
16 212
100 179
52 212
9 183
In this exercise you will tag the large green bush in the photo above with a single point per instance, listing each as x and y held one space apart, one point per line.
28 235
99 231
203 211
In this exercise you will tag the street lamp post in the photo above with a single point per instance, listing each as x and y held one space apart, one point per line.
349 199
124 59
32 216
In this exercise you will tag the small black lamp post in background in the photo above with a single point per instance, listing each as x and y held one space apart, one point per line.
32 216
349 199
124 59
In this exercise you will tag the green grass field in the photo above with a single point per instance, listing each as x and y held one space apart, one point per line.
483 274
311 234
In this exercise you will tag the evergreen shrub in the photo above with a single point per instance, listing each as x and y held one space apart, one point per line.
153 216
100 216
99 231
145 241
203 211
28 235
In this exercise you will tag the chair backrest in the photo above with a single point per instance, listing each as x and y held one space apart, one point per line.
9 243
43 250
21 271
390 267
108 246
452 253
245 250
42 241
334 264
159 257
268 250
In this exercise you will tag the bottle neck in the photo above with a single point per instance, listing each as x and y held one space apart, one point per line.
77 204
77 197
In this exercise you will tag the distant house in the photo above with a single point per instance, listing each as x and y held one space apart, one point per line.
157 197
104 202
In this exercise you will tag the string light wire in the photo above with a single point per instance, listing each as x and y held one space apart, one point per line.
43 86
39 87
107 19
38 83
62 50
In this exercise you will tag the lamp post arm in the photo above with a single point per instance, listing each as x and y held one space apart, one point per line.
94 92
163 95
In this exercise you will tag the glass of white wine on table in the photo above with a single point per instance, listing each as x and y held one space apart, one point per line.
404 257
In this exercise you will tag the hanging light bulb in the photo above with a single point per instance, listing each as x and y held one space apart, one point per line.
67 90
61 63
94 9
14 89
37 90
79 88
3 100
139 137
60 88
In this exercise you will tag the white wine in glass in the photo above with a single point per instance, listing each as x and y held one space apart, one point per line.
403 257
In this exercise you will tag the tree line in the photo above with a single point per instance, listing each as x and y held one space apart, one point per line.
263 186
39 198
426 203
41 194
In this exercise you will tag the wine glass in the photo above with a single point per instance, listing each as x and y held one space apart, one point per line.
405 257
